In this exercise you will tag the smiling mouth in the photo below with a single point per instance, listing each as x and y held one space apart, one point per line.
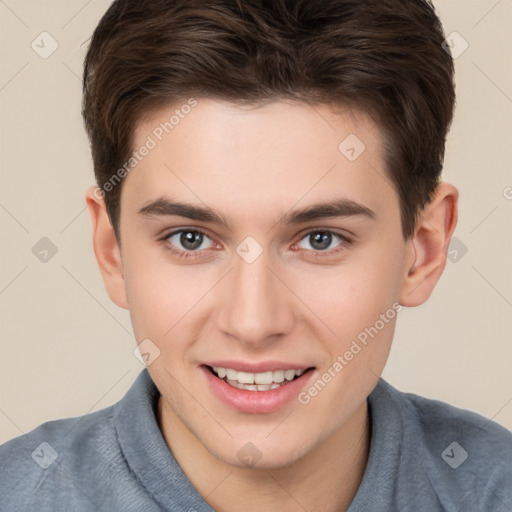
263 381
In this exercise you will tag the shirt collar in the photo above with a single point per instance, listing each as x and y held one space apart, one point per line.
151 460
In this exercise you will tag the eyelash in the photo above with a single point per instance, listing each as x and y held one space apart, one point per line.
344 242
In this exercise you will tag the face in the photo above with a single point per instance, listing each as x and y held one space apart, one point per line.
263 259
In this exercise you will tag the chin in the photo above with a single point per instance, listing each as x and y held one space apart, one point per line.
261 454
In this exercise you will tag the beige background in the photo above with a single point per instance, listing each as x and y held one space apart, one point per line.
67 350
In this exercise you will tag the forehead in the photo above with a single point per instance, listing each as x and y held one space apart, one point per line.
221 125
263 157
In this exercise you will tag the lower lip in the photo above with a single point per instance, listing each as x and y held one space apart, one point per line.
256 402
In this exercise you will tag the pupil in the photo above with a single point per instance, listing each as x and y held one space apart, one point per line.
321 241
191 239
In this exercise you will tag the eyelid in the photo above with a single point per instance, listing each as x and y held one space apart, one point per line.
186 229
344 241
183 253
174 231
333 231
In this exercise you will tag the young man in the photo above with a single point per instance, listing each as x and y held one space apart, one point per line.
268 200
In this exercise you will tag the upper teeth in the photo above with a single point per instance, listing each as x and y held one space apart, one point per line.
257 378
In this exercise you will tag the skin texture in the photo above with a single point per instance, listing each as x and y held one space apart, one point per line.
294 303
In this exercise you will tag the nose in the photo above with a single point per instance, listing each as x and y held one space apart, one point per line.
256 307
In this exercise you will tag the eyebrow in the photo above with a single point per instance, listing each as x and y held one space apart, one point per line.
334 208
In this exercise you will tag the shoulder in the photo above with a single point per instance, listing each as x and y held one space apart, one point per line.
461 450
47 457
484 441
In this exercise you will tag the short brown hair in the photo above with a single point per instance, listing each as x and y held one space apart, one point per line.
384 57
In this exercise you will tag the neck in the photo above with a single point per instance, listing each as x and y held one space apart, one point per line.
326 479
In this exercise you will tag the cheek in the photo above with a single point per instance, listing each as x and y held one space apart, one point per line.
160 293
170 304
351 297
357 304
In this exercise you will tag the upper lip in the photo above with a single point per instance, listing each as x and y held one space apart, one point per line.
258 367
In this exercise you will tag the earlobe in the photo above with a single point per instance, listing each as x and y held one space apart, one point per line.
106 248
429 245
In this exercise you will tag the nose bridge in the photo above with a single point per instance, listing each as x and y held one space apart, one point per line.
255 306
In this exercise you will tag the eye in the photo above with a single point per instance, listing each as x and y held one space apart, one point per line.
320 241
186 240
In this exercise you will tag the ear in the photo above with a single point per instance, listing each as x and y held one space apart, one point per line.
429 245
106 248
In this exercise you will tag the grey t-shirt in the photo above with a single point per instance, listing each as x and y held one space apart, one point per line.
425 456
